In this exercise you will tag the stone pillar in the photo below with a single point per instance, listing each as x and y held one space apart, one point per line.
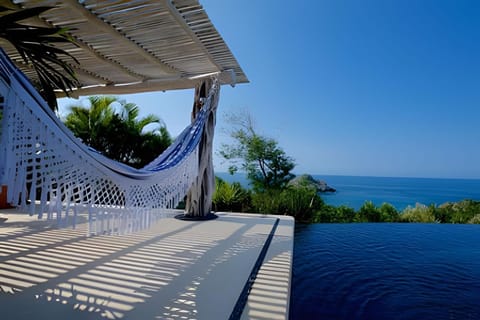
199 198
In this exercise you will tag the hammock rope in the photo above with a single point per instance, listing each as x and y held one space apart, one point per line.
48 170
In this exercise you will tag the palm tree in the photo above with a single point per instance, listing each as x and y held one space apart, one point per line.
122 135
146 137
89 124
36 47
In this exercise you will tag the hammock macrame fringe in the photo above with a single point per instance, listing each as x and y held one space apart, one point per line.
50 172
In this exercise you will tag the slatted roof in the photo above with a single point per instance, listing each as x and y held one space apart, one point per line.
129 46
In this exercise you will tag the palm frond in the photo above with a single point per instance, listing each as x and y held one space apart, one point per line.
35 46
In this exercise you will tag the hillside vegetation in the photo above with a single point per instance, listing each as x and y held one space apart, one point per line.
306 205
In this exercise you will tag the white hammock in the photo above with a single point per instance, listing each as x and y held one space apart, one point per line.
41 160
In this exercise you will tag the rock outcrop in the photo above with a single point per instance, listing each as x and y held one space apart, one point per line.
308 181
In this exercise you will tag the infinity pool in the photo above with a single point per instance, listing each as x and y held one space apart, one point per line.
386 271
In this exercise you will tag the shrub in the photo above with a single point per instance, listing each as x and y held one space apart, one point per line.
388 213
459 212
345 214
419 213
332 214
368 212
475 219
297 201
230 197
266 202
325 214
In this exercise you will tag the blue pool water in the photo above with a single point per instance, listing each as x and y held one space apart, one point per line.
386 271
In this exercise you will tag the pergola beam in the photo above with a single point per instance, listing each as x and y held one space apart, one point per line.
136 45
96 22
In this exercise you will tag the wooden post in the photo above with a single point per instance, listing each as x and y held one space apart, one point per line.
199 198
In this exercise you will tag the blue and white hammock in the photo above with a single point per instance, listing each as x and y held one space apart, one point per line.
49 171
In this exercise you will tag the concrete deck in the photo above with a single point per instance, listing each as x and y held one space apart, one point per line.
174 270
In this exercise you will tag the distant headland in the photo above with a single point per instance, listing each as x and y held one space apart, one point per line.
309 181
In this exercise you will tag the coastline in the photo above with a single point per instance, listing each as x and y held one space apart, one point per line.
400 192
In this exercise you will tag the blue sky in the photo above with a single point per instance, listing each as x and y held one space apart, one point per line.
350 87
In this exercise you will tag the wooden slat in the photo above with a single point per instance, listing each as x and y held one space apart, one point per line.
157 44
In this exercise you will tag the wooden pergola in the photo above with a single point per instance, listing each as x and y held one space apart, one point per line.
132 46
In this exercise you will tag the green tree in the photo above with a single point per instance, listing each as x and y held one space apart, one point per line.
141 144
35 44
368 212
344 214
123 135
388 213
266 164
90 123
327 214
152 144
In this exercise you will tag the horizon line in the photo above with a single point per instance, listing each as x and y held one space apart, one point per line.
364 176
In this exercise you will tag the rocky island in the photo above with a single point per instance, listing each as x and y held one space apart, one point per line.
308 181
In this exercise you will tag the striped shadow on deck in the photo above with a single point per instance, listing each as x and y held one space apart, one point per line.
174 270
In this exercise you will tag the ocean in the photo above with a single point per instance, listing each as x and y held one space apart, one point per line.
353 191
